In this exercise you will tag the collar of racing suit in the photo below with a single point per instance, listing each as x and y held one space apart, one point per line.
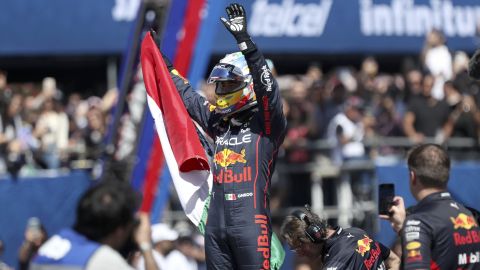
442 195
330 241
237 119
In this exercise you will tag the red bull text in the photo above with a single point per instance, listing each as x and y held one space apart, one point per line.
374 254
471 237
263 243
230 176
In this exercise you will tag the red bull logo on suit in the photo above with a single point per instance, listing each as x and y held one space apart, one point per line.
228 157
363 245
462 221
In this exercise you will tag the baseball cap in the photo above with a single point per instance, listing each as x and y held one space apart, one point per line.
163 232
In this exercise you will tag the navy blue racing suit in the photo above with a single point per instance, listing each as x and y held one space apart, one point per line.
351 249
238 230
440 234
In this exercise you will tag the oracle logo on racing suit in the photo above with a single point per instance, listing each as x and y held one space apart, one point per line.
247 138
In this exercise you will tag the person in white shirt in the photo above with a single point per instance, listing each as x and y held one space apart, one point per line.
438 61
345 131
163 239
183 256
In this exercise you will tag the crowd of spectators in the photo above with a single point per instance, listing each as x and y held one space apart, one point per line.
42 128
431 97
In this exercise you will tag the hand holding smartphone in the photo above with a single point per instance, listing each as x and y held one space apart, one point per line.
34 232
386 193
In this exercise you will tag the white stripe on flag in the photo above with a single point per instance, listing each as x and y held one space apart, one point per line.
192 187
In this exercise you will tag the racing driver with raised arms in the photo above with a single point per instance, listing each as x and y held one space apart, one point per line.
248 127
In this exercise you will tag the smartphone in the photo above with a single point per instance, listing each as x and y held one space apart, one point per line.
386 193
34 225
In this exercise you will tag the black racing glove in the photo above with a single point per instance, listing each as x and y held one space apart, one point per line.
165 58
474 66
236 24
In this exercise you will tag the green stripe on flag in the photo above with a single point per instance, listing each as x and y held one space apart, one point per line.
278 253
203 221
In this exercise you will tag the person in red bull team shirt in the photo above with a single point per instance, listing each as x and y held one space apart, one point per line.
248 126
438 232
335 248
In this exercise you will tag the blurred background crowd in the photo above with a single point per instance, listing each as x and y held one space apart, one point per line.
41 127
429 98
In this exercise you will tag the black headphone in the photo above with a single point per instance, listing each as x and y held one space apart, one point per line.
313 231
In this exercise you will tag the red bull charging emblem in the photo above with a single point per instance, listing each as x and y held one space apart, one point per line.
462 221
363 245
228 157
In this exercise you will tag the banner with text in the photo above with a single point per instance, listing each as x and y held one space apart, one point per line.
53 27
356 26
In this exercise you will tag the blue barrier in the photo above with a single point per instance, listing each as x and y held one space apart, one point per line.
52 199
463 185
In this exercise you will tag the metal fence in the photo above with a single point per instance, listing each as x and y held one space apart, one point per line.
350 208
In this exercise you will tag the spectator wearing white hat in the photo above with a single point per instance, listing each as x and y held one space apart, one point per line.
163 238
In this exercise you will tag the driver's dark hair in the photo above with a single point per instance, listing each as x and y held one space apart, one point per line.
431 164
104 208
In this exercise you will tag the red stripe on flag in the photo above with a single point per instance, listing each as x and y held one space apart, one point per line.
190 29
182 135
154 168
